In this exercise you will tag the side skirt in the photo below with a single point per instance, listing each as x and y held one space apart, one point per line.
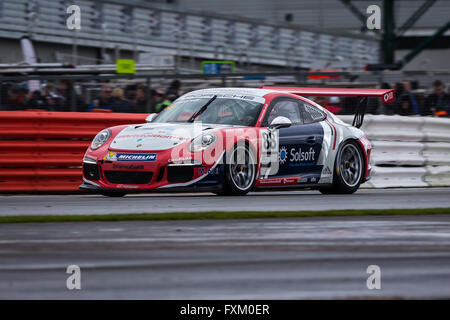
291 187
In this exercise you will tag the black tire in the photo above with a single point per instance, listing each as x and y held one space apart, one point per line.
239 178
349 169
112 194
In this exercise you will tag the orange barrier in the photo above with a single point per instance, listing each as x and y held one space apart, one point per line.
43 151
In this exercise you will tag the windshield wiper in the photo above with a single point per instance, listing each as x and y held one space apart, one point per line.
202 109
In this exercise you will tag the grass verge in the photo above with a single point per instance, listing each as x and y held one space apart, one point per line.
219 215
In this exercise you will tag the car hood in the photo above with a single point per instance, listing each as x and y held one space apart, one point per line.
159 136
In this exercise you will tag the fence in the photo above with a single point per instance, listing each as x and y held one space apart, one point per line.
78 90
408 151
43 151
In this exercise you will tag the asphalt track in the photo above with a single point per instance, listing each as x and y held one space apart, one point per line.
297 258
256 201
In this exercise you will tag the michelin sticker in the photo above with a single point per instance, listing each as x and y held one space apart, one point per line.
113 156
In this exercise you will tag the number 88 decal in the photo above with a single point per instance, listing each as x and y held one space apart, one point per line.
269 148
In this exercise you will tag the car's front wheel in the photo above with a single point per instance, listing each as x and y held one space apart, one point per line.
348 170
240 171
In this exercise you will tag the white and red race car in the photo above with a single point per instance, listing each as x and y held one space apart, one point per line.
232 140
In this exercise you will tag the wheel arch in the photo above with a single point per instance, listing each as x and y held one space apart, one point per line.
360 148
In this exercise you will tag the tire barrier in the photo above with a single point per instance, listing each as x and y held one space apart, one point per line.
407 151
43 151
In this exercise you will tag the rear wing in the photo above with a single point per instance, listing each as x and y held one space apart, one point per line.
386 95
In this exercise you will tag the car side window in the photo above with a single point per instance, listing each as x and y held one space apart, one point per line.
288 108
311 114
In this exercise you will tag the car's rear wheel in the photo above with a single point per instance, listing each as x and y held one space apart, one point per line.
348 170
112 194
240 171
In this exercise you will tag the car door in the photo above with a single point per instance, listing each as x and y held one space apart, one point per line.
300 144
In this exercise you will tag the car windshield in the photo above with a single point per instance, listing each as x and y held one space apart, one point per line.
230 111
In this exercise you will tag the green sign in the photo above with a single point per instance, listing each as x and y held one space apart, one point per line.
218 67
125 66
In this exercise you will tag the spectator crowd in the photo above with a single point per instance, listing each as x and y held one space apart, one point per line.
129 98
409 99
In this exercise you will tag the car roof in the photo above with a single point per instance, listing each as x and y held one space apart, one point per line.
238 91
250 94
241 92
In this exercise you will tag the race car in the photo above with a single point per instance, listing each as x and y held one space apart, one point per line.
230 141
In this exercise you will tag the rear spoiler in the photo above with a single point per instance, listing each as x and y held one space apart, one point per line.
386 95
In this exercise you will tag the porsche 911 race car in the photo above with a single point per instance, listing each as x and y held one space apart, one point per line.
232 140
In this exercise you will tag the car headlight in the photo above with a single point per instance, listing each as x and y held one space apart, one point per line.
100 139
202 142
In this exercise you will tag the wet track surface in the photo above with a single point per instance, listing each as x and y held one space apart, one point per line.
232 259
256 201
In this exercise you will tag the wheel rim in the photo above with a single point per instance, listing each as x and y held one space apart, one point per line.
242 169
350 164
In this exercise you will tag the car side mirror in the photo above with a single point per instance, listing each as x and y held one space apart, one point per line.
280 122
150 117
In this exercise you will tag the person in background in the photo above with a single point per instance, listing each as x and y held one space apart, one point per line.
140 101
174 89
157 97
130 91
37 101
409 96
403 103
17 99
53 100
404 106
398 87
105 101
419 95
166 101
120 104
69 92
438 102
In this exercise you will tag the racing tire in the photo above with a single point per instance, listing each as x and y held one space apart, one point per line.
240 174
112 194
349 169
